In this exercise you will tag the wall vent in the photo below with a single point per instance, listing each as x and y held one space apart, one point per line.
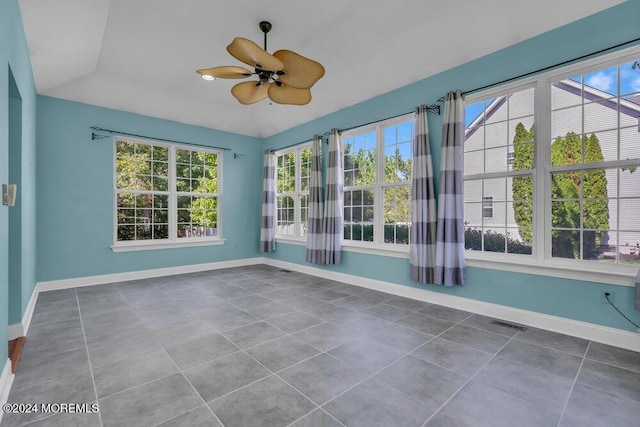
508 325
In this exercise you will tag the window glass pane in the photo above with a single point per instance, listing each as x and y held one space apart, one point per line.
566 120
305 169
473 162
197 216
521 103
304 214
601 83
397 214
496 134
358 210
473 214
630 143
397 152
360 160
495 188
160 154
494 240
473 190
496 110
516 243
496 160
600 115
285 215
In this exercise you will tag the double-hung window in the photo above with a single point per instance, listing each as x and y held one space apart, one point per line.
165 194
293 168
498 188
570 186
377 183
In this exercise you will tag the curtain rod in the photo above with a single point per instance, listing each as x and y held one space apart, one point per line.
95 136
322 137
433 108
540 70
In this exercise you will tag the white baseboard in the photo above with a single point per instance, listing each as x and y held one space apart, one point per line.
6 379
585 330
20 329
55 285
603 334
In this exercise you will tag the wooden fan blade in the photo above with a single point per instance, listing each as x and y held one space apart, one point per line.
226 72
250 53
248 93
299 72
289 95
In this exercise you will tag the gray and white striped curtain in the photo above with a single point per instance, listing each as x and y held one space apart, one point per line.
315 240
450 241
268 225
332 223
424 219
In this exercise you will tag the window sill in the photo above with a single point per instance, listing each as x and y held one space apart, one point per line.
388 251
164 245
291 240
614 274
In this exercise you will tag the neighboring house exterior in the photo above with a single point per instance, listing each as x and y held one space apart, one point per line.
488 202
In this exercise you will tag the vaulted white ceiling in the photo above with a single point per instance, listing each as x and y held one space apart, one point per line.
141 55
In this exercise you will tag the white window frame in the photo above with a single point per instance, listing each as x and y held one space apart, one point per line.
378 246
297 194
541 262
173 241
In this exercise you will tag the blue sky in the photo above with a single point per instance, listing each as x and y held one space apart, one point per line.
604 80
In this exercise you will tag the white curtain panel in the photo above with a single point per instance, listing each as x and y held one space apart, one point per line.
268 225
422 249
315 240
332 223
450 240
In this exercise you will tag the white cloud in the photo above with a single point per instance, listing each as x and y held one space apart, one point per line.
601 80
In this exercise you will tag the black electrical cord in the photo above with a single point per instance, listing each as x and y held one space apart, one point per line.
606 295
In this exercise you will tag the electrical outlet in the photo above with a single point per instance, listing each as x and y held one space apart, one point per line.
603 299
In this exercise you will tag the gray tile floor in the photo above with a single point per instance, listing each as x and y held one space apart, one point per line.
256 346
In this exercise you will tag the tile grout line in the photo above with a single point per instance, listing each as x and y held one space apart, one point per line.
575 381
174 362
86 347
468 381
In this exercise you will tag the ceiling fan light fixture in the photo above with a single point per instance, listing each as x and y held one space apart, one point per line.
285 77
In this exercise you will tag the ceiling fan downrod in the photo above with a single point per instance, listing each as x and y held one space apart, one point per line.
265 27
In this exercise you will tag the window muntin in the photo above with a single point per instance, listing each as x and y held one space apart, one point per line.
164 193
293 170
197 193
594 152
582 191
499 161
377 180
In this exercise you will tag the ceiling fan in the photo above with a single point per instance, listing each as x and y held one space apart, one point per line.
285 77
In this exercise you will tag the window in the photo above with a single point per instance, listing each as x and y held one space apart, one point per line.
595 150
498 193
165 193
487 207
570 189
377 183
293 168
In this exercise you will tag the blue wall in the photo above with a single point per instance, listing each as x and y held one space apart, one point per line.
560 297
15 56
75 192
